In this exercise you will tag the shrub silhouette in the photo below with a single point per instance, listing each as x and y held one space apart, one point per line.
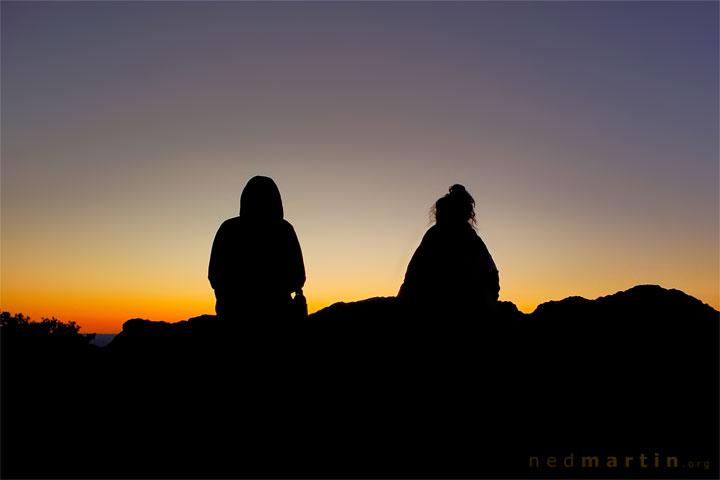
48 326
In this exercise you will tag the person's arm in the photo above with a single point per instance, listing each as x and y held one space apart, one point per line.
218 257
296 266
417 270
493 286
488 273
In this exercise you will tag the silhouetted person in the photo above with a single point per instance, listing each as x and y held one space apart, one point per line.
452 269
256 261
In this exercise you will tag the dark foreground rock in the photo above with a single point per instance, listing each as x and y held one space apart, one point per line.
366 389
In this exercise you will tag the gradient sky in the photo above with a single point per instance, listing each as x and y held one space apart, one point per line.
586 131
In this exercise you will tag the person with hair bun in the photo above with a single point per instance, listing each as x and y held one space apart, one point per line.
452 269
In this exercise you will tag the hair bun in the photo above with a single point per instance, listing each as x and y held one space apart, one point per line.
457 206
458 189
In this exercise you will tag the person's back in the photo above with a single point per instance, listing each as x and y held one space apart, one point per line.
256 260
452 269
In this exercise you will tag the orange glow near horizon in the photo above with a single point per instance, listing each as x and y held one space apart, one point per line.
104 314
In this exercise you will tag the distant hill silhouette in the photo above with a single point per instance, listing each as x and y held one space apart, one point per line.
365 389
645 300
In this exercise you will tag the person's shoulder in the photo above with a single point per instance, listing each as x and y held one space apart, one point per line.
479 244
433 231
472 238
475 236
431 234
230 222
229 225
287 228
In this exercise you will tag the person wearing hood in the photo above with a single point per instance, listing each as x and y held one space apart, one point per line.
256 262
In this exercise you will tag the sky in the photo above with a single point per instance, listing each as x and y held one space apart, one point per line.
587 133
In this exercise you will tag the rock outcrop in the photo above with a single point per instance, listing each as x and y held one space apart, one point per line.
374 389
